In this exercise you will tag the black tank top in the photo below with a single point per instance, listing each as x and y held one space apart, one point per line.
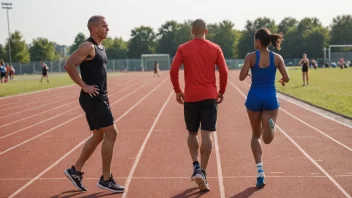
304 64
93 72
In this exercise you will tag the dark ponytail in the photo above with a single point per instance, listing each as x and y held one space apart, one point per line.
276 40
266 38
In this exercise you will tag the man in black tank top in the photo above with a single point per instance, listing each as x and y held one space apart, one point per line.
92 59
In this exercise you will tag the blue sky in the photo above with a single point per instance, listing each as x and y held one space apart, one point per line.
60 21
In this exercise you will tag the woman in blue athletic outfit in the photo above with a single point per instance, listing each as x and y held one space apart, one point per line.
262 103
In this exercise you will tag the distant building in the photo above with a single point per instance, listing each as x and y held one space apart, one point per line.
61 49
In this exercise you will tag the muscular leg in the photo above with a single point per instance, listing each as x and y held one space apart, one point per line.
255 120
88 148
268 133
193 145
107 149
192 119
206 148
107 181
74 173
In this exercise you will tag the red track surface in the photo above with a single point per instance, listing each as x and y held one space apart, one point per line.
311 156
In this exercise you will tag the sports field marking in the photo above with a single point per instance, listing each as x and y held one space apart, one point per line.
40 95
22 103
311 110
34 92
303 137
25 118
65 105
218 164
23 100
68 153
53 117
314 175
304 152
321 132
140 152
43 105
47 131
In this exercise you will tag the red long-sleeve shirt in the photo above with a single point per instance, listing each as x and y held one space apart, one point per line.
199 57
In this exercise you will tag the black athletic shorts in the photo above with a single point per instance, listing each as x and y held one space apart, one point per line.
201 113
97 109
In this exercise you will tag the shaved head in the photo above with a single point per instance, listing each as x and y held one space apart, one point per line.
94 21
199 27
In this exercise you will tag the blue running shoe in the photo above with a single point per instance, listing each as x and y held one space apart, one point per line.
260 180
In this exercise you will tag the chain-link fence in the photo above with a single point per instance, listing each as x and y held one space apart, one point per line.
117 65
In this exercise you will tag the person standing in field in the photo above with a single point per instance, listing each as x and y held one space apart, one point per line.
45 69
2 72
156 69
305 63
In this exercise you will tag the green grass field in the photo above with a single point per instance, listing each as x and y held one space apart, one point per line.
30 83
330 88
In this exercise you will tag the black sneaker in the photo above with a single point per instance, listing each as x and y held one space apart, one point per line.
75 177
110 185
200 178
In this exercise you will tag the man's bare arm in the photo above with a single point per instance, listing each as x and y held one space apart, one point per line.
77 57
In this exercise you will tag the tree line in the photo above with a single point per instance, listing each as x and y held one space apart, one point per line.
305 36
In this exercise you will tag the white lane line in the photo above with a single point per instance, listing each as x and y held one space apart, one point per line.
332 119
34 92
38 123
314 175
63 157
304 153
218 163
43 105
66 105
47 131
140 152
321 132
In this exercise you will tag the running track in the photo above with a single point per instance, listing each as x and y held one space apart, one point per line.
311 155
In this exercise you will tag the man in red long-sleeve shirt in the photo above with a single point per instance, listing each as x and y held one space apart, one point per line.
199 57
